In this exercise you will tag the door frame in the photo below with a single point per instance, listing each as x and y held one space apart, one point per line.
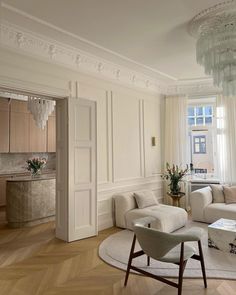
28 88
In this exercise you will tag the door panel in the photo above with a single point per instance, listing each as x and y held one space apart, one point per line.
76 170
82 169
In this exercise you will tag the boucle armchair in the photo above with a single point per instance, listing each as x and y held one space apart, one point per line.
165 247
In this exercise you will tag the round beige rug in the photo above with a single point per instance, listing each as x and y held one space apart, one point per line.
115 251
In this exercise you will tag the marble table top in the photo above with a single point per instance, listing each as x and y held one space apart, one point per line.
30 178
224 224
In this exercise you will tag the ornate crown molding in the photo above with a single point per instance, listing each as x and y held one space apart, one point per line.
32 44
193 87
17 38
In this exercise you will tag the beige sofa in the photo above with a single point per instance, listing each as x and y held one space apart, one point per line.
167 218
203 208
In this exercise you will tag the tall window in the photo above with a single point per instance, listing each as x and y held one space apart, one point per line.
201 129
200 115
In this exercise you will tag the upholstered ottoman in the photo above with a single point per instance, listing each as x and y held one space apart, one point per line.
167 218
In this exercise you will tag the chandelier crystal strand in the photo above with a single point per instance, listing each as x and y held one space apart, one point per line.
215 30
40 109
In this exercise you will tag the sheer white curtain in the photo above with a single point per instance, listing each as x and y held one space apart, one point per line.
176 131
226 139
176 148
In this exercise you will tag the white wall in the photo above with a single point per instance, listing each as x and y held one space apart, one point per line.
126 120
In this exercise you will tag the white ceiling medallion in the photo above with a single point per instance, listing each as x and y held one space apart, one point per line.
215 30
40 109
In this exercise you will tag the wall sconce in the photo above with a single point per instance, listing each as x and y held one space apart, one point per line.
154 141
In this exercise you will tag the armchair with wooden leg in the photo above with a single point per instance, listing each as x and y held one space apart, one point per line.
165 247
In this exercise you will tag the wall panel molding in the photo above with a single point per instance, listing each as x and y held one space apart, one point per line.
127 137
128 185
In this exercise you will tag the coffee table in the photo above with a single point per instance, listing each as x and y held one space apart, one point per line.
222 235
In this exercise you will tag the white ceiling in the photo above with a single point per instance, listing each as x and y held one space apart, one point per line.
150 32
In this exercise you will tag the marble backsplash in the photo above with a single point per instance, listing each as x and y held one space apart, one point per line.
16 162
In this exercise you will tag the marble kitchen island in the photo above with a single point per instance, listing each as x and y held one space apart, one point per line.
30 201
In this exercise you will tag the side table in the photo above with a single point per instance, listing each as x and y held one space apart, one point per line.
176 198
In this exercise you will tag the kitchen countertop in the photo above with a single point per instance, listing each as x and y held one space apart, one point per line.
25 172
30 178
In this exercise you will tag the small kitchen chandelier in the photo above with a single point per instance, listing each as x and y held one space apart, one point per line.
215 30
40 108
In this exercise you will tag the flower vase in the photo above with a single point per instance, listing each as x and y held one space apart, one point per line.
35 173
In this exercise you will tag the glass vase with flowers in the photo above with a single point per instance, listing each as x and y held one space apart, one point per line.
35 165
174 174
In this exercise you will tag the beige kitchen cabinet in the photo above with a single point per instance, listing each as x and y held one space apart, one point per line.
24 136
4 125
3 191
19 127
51 134
37 137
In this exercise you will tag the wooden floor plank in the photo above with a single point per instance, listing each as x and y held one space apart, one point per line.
34 262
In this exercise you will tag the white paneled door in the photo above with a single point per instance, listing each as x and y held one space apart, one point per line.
81 172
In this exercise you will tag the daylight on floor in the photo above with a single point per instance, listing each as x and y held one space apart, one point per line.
117 147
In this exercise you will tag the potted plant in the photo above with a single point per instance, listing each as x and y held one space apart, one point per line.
174 175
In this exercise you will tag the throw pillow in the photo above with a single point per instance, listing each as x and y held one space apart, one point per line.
145 199
217 193
230 194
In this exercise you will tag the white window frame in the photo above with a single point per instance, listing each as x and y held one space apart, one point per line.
203 116
205 101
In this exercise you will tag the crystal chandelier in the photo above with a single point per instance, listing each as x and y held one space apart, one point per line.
40 109
215 30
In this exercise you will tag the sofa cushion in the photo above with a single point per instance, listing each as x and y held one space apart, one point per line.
216 211
230 194
217 193
123 203
145 199
168 218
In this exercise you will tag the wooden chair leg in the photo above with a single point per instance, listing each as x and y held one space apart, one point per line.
148 261
202 263
182 264
130 260
148 258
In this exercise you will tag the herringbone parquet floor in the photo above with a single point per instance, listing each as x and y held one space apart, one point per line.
34 262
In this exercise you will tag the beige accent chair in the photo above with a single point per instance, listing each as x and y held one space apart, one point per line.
165 247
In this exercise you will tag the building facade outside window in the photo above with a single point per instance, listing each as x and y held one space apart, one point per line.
199 144
201 126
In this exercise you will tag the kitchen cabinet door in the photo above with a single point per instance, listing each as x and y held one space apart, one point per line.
51 136
2 191
19 127
37 137
4 125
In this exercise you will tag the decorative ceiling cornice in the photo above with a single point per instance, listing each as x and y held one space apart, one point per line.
193 87
33 44
17 38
